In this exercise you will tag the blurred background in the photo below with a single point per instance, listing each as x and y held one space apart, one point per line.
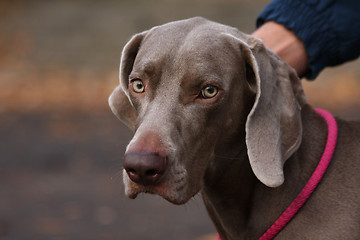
61 147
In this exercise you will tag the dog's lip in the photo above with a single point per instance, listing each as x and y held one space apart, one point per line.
136 192
173 187
161 190
136 189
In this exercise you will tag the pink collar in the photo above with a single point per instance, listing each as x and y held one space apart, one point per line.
314 180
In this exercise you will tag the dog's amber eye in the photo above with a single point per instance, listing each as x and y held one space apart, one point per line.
138 86
209 92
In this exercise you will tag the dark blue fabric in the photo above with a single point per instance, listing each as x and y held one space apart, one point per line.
330 29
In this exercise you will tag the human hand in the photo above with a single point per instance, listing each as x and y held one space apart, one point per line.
285 43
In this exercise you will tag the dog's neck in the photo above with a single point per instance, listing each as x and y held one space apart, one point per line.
227 192
240 206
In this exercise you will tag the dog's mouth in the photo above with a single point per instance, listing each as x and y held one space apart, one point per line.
173 188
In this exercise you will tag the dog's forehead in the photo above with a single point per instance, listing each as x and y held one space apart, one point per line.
197 42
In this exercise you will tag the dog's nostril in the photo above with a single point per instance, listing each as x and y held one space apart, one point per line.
145 169
151 172
131 171
132 174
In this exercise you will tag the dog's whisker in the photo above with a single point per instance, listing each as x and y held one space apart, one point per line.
179 180
180 188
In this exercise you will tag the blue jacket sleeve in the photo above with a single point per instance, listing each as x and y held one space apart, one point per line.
330 29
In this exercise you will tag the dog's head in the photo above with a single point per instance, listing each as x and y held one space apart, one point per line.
192 88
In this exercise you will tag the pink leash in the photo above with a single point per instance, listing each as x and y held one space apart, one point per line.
314 180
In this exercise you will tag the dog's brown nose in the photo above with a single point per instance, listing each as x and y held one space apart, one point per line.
145 168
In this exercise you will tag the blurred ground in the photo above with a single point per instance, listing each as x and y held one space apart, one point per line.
61 146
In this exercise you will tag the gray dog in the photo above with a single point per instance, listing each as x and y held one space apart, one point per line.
215 112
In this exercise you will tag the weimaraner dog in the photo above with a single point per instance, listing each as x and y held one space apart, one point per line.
215 112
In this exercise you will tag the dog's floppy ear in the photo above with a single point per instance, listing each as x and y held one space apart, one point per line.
119 100
273 126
